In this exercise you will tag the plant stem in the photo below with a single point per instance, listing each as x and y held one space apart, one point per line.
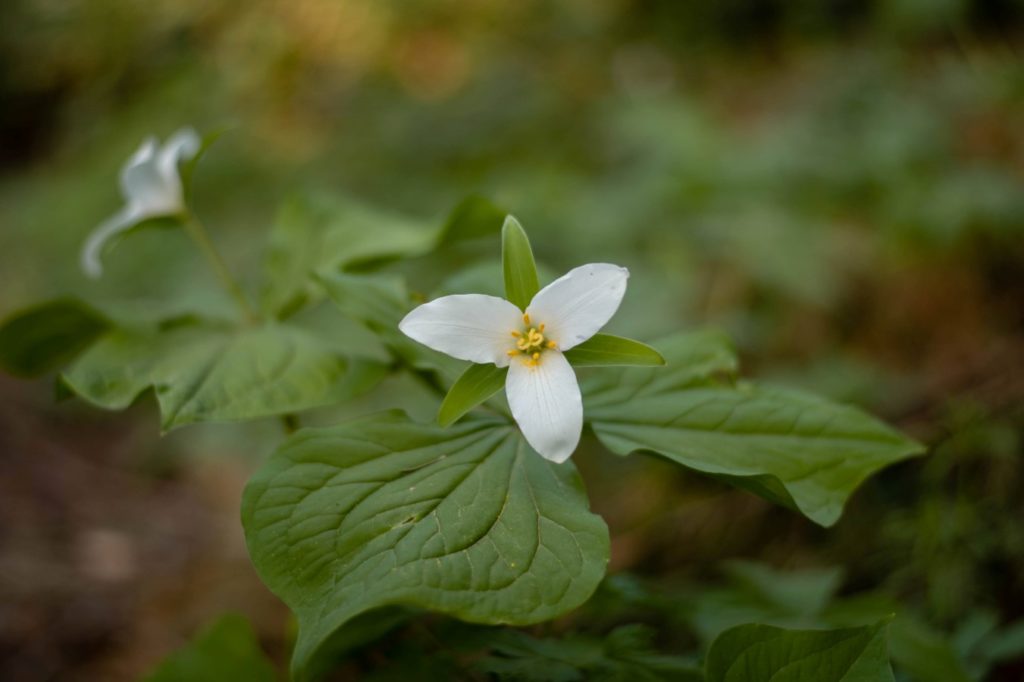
202 240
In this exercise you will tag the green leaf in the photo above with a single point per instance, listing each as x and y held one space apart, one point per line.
187 168
322 233
520 270
762 653
227 650
477 384
792 448
605 349
473 217
377 300
468 521
625 654
693 359
205 372
43 337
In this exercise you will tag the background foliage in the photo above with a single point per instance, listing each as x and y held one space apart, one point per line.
836 185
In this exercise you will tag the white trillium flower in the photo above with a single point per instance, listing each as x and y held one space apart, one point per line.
152 188
541 385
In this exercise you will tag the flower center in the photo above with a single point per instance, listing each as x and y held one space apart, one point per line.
530 342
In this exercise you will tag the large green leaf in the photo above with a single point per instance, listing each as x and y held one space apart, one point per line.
521 281
43 337
795 449
204 372
762 653
227 650
466 520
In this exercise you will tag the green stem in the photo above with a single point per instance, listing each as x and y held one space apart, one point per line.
202 240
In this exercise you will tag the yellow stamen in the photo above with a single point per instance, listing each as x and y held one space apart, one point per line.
536 356
552 344
516 334
541 327
511 353
526 318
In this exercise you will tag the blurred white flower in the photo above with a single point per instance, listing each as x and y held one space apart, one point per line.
541 385
152 188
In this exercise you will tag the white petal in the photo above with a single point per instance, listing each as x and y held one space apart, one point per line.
576 305
93 247
145 186
546 403
470 327
181 146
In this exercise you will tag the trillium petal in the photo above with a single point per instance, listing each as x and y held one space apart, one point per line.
181 146
546 403
470 327
141 180
576 305
92 250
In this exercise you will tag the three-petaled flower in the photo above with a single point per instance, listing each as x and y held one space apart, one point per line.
541 385
152 188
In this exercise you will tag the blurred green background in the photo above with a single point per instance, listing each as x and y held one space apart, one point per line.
836 184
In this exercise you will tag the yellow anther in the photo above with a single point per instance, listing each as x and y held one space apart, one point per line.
536 356
512 353
552 344
526 318
541 327
516 334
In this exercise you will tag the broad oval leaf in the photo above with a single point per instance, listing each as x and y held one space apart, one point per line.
795 449
521 281
474 386
762 653
204 372
43 337
468 521
606 349
226 650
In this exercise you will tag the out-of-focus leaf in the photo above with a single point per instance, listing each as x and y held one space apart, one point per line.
319 234
626 654
760 594
43 337
474 386
227 650
792 448
377 300
475 216
756 653
205 372
467 520
520 270
187 168
605 349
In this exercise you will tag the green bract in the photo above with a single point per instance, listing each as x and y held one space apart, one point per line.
520 270
466 520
